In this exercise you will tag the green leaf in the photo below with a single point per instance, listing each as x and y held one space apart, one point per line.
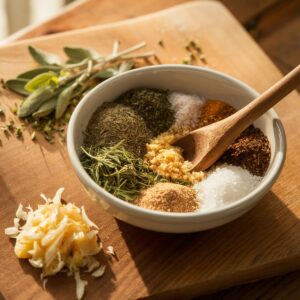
46 108
64 99
41 80
43 58
34 72
17 86
105 74
35 100
110 72
78 54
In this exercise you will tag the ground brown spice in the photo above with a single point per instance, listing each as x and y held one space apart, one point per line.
214 111
169 197
251 151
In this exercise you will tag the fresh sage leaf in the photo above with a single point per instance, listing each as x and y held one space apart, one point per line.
41 80
37 71
17 86
45 109
68 93
64 99
43 58
105 74
73 65
35 100
78 54
110 72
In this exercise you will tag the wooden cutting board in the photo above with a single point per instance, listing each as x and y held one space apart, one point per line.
264 242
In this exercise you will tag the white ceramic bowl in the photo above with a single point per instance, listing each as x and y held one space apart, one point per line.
190 79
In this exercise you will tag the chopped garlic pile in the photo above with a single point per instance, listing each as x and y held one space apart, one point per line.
167 160
57 236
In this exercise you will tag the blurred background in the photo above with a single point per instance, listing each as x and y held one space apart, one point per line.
274 24
17 14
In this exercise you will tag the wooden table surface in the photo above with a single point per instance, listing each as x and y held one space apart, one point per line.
81 16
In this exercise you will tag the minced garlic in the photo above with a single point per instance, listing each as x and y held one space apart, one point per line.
57 236
167 160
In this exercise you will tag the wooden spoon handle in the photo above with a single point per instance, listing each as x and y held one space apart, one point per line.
247 115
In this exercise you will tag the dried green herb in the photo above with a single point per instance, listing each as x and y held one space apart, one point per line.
11 126
19 132
153 105
118 171
193 47
2 113
114 122
14 109
189 60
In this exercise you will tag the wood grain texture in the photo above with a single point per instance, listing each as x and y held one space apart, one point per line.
277 288
278 33
262 243
85 13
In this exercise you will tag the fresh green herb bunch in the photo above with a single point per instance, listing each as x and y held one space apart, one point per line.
114 122
153 105
51 87
120 172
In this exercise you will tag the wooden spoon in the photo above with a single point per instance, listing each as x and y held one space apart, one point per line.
205 145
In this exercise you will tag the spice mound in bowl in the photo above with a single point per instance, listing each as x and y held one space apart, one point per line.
120 145
128 151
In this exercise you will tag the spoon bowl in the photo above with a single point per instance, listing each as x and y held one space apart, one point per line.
205 145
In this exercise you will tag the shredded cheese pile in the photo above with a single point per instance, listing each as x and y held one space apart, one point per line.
57 236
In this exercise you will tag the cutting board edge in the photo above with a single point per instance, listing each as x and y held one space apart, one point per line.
118 23
225 282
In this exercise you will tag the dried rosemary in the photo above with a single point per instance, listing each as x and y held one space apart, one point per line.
118 171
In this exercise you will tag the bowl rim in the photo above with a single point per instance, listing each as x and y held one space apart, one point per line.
264 186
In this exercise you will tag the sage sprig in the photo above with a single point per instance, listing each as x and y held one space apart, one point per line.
51 87
35 100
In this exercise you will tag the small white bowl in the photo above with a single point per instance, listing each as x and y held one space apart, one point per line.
190 79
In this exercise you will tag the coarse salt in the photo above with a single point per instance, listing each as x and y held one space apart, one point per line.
224 185
187 109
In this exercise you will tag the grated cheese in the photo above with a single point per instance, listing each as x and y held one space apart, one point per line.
99 272
57 237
